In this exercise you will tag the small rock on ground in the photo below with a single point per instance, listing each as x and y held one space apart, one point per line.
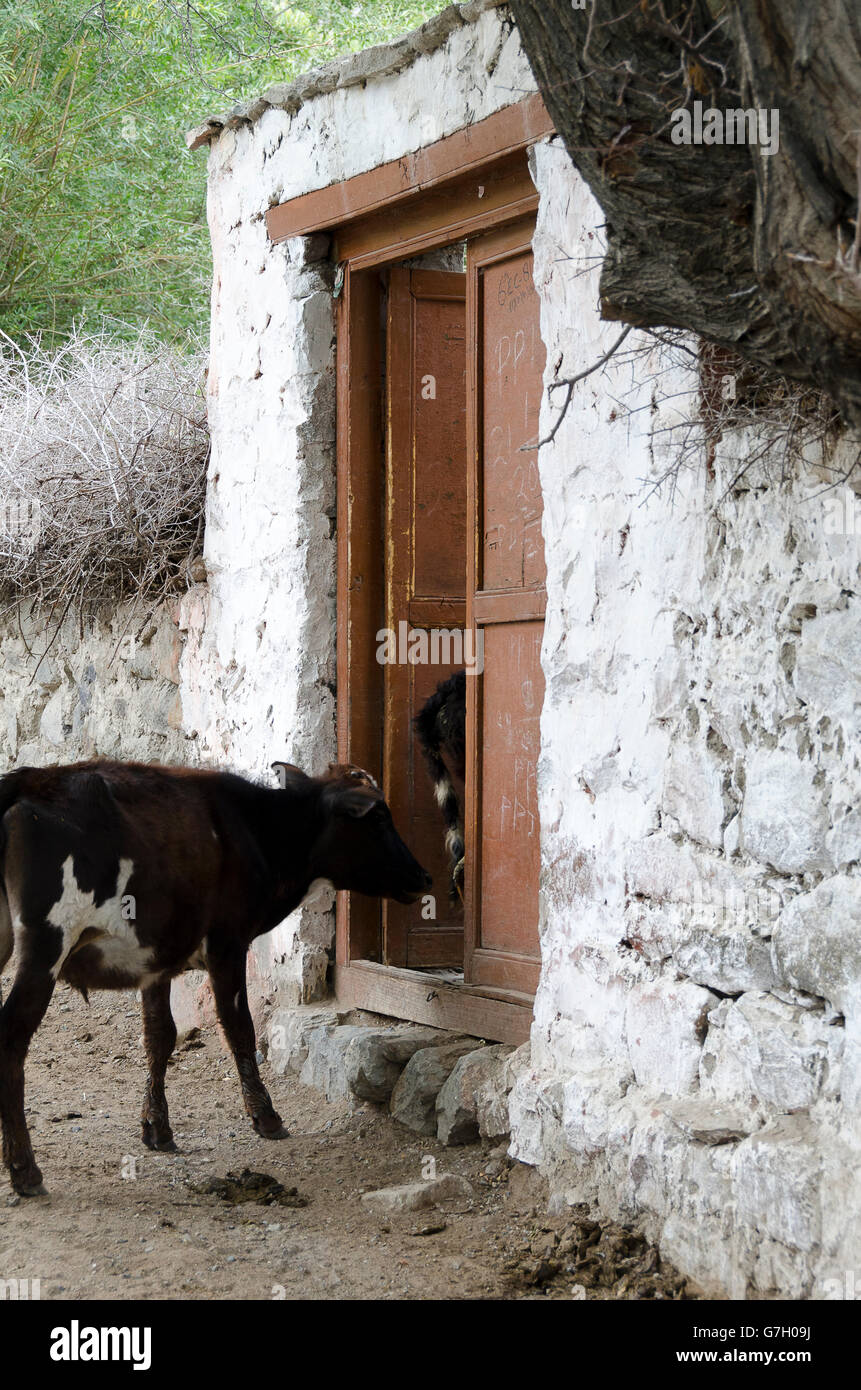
416 1196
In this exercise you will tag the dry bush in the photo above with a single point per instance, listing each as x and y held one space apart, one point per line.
784 425
103 454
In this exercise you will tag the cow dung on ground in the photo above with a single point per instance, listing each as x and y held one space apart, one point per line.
249 1186
607 1261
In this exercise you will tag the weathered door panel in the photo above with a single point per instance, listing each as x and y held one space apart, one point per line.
511 704
506 600
426 575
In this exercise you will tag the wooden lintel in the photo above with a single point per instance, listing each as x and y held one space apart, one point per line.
506 131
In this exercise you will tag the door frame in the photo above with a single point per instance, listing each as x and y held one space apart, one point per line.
459 187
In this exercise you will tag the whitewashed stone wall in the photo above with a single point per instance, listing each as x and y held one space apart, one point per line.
695 1057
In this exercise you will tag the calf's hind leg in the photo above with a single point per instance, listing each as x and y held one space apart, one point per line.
159 1041
20 1016
227 972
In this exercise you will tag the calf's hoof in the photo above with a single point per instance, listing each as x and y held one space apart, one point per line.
27 1182
159 1140
269 1126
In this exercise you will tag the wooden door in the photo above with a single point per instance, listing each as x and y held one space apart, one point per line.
506 601
425 537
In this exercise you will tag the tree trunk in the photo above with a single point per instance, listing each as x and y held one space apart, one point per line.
751 250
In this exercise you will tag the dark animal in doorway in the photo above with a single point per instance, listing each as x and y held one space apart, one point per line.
441 730
121 875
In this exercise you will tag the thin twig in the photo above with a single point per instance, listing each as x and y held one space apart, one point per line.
570 382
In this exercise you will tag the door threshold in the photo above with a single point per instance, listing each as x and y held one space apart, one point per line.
428 997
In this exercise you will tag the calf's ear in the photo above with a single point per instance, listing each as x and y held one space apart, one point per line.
352 801
289 775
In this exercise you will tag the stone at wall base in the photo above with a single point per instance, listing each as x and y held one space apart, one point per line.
374 1062
288 1034
414 1098
457 1105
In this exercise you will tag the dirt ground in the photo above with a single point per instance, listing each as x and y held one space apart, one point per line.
120 1222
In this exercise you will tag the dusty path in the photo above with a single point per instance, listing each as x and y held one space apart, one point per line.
120 1222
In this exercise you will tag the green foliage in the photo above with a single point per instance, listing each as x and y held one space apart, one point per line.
102 209
315 33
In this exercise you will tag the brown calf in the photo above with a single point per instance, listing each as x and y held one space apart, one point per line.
121 875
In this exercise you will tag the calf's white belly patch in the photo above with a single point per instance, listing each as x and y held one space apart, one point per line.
75 911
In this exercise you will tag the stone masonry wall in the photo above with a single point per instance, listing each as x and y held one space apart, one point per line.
111 690
695 1051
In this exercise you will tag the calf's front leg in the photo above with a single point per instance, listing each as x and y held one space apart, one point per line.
159 1040
226 966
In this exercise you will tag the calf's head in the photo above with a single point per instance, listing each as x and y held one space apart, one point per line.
358 847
